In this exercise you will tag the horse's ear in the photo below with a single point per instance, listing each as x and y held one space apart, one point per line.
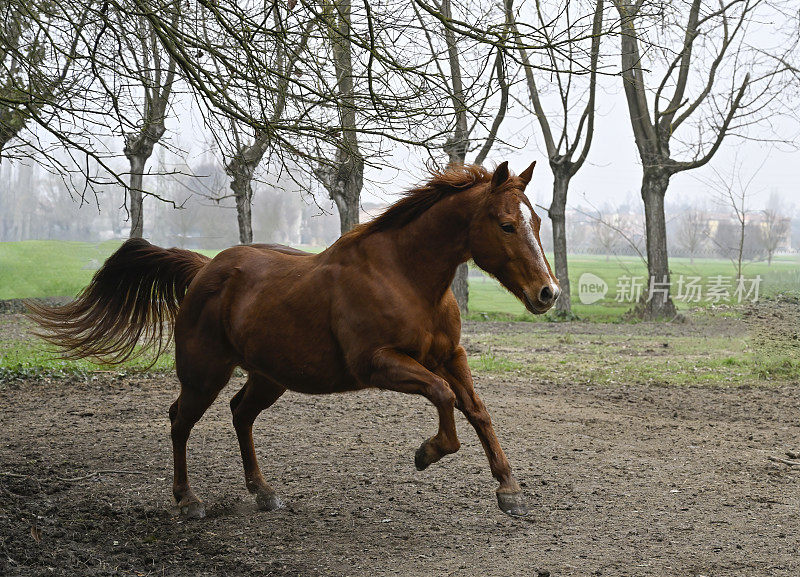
527 173
500 175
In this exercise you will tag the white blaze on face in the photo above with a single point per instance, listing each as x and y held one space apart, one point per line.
538 255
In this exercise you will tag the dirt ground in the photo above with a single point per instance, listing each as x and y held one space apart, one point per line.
622 480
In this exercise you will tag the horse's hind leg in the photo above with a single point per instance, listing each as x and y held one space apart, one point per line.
200 385
257 394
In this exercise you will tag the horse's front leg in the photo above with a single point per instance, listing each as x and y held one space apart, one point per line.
509 494
395 371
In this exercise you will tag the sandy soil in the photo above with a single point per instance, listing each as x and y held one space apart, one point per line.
626 480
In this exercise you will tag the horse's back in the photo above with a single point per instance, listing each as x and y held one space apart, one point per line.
282 248
252 281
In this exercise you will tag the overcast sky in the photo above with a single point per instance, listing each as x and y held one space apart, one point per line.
612 173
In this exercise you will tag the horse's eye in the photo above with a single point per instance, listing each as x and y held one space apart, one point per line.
508 227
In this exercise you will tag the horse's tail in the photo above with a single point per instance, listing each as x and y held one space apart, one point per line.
132 300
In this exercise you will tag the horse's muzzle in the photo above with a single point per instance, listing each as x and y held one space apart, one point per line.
539 306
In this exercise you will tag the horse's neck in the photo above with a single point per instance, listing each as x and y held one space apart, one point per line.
431 247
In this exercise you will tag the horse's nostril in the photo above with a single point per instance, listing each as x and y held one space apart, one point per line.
546 294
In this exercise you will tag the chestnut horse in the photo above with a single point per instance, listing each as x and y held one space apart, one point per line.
373 310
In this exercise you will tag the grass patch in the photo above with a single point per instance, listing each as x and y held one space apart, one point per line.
775 339
491 363
625 358
762 347
777 367
22 359
35 269
489 300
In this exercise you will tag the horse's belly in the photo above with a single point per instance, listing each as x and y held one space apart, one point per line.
322 387
314 376
306 365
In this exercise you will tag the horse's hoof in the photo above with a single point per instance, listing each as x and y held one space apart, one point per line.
268 501
192 509
421 458
512 504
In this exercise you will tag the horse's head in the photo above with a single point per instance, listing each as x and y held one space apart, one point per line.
504 241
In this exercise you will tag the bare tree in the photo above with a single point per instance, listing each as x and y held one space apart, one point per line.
565 151
693 232
343 178
39 43
733 189
732 86
154 69
606 237
246 156
774 227
611 228
737 201
468 102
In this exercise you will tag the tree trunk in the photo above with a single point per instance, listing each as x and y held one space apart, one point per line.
457 151
460 284
460 287
241 168
557 215
137 150
346 181
457 144
347 198
658 303
741 243
243 192
137 201
115 226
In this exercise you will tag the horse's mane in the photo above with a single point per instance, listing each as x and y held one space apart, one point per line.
416 201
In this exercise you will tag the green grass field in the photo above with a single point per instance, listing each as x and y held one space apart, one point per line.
490 300
56 269
35 269
46 268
